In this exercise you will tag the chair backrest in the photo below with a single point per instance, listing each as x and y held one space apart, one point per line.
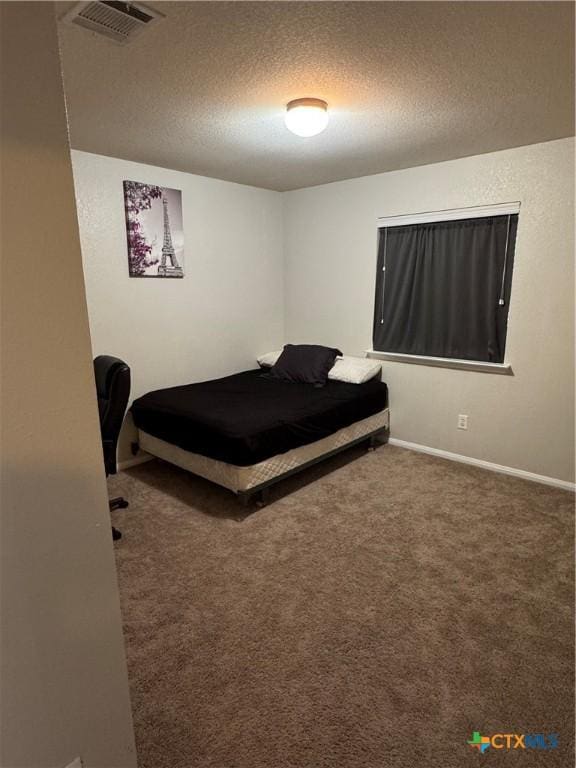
113 389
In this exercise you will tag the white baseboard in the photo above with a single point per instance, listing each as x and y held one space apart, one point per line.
522 473
140 459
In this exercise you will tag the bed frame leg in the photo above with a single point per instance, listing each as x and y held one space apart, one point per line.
380 438
263 497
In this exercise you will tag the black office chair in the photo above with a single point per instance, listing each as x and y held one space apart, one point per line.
113 389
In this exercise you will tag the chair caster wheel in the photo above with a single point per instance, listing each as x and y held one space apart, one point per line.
118 503
116 534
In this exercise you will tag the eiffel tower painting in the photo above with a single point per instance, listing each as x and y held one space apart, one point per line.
173 269
154 230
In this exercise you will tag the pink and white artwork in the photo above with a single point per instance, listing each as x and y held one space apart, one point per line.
154 230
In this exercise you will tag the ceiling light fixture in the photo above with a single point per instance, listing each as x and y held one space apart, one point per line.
306 117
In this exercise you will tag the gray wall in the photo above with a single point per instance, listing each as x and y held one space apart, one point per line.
525 421
64 683
227 309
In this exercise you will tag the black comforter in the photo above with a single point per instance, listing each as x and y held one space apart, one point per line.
249 417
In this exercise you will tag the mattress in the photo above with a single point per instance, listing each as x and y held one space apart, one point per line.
241 479
249 417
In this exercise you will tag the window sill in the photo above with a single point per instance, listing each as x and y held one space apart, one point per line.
442 362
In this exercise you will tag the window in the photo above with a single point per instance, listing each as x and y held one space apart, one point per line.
443 283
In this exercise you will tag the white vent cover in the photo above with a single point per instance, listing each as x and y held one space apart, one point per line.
118 21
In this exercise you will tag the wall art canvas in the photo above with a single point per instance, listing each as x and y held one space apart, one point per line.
154 230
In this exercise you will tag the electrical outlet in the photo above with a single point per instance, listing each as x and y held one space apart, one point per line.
462 421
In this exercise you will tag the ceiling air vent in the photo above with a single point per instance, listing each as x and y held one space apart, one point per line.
118 21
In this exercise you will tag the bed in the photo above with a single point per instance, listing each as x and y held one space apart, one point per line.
248 431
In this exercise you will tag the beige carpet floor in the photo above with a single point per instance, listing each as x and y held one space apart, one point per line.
376 613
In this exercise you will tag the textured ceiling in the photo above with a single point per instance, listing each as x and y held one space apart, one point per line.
407 84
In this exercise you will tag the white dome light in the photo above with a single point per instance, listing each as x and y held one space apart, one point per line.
306 117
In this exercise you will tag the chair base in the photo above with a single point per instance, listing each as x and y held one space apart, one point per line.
118 503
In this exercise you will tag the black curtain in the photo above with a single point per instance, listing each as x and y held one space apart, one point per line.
445 288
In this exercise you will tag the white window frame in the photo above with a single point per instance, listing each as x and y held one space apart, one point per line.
451 214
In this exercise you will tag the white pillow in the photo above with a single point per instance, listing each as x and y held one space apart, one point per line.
269 359
354 370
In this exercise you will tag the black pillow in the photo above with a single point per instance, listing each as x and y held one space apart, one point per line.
307 363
